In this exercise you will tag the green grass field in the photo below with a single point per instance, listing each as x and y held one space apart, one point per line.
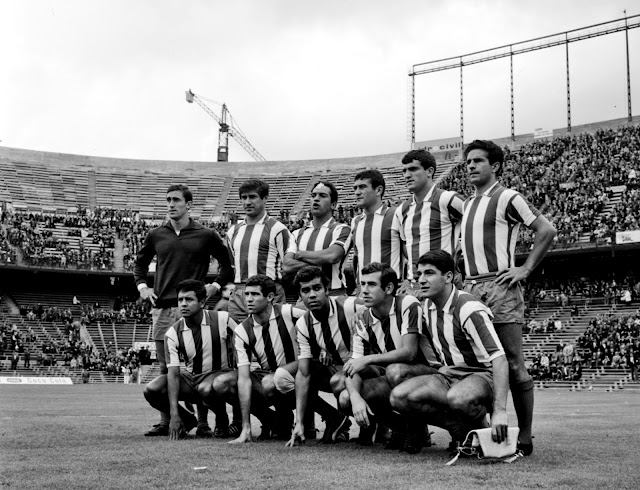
90 436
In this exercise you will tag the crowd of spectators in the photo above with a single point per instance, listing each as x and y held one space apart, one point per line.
569 178
612 341
563 363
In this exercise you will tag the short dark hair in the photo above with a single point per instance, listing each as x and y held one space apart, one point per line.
332 188
440 259
375 176
186 193
267 285
387 276
494 152
309 273
192 285
423 156
260 186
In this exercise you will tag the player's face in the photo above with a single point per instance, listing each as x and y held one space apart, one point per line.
189 304
415 176
366 196
321 205
252 203
256 301
371 291
177 207
314 294
432 282
479 169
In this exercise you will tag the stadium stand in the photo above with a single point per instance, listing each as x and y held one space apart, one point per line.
85 215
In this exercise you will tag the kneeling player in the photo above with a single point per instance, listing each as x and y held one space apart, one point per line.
201 337
267 337
387 346
324 339
474 378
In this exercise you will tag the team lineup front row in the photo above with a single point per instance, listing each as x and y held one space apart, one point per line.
392 362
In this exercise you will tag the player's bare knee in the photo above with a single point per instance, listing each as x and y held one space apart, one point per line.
205 391
344 401
223 386
399 399
268 386
337 383
396 374
459 401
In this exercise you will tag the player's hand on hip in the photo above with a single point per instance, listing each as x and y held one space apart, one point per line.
512 276
245 436
499 426
148 294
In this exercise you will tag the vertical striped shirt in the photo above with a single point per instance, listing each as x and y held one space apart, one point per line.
271 345
204 348
379 336
374 240
258 248
433 224
331 335
490 228
462 333
310 239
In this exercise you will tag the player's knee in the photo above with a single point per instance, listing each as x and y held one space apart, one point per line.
205 391
459 401
344 401
268 386
283 381
222 386
337 383
399 399
396 373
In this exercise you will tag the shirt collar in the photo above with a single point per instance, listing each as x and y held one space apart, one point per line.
391 310
272 318
327 224
490 191
332 310
449 305
203 323
429 195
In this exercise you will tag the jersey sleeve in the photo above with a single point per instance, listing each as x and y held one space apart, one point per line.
455 207
411 317
303 339
519 210
478 326
293 243
359 338
397 225
241 344
342 236
171 348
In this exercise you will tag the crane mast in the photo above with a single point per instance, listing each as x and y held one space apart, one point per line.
228 127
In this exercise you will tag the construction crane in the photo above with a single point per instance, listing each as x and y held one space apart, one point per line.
228 127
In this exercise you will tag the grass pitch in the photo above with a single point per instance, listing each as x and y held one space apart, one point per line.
90 436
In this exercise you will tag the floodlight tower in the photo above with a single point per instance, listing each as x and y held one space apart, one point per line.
228 127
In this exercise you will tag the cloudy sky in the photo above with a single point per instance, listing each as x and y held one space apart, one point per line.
303 79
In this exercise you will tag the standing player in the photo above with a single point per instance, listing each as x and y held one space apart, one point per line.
374 240
474 378
267 338
201 339
324 339
492 217
430 220
388 346
258 245
183 249
324 242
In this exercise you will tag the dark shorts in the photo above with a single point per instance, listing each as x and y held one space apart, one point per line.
193 380
450 376
506 303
